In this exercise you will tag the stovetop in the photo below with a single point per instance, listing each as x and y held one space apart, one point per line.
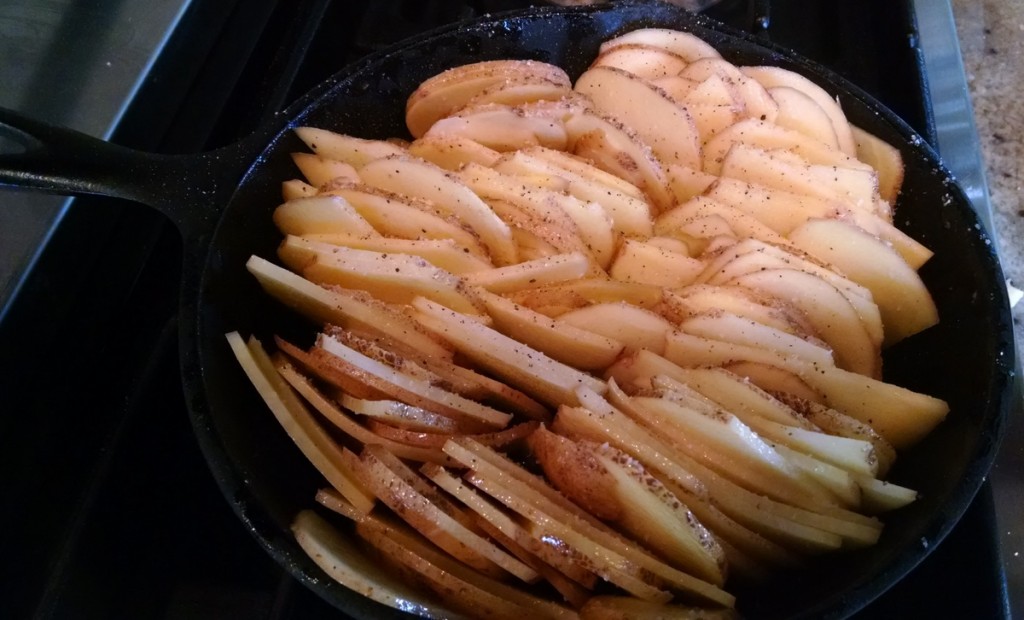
109 508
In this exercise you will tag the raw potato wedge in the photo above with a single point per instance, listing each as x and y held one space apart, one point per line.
321 215
405 217
770 77
298 421
502 127
319 170
390 277
906 306
451 90
563 341
424 180
884 158
647 110
451 152
353 151
635 327
643 61
336 554
616 487
683 44
526 368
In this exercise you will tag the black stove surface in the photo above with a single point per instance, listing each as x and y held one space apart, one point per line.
109 509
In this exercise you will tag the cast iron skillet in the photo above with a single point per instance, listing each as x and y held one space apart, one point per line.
222 202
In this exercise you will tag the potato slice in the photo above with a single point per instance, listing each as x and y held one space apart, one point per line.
410 390
821 528
519 91
644 61
780 383
602 422
855 188
636 328
840 424
630 214
613 557
904 302
899 415
691 351
647 110
347 564
728 327
546 213
741 223
587 219
426 509
353 151
618 150
836 479
459 586
392 278
607 607
769 311
751 255
776 76
769 136
321 215
345 423
834 320
723 442
296 188
509 527
424 180
757 103
400 414
880 496
298 422
452 151
584 168
642 262
686 183
611 484
503 440
518 364
884 158
442 253
530 274
503 127
579 348
319 170
799 112
450 90
684 44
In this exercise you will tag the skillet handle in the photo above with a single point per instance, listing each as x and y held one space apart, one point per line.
39 156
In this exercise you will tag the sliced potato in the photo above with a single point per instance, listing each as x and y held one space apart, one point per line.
647 110
298 422
424 180
321 215
353 151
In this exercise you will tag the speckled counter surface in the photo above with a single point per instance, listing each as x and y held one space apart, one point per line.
992 43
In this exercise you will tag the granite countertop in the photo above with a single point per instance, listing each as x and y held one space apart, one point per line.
992 43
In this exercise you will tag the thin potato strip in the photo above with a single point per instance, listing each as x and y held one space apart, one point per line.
344 562
528 369
346 424
298 422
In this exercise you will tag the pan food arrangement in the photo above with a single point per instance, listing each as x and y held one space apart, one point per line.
585 311
674 276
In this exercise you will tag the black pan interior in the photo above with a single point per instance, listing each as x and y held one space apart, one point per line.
966 360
